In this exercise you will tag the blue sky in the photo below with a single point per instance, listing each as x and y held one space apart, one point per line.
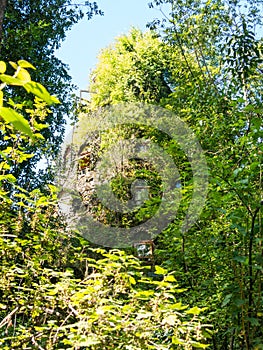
87 38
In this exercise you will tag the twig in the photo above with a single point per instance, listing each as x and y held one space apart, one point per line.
8 317
35 343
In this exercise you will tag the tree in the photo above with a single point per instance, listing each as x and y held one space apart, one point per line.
33 30
224 37
138 67
141 64
214 77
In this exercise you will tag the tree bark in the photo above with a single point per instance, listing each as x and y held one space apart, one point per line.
3 4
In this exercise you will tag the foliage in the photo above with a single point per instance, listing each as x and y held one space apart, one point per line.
112 306
56 292
132 69
215 77
34 30
222 253
12 113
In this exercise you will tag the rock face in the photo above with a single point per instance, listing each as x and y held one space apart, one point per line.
86 175
107 187
103 182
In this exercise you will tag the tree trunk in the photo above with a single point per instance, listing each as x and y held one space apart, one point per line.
3 4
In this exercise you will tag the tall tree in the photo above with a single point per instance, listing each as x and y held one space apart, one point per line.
33 30
141 64
225 37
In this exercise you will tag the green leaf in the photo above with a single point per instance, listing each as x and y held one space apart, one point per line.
25 64
160 271
144 294
254 321
2 67
11 80
178 306
241 259
226 300
40 91
195 310
40 126
169 278
200 345
23 75
16 119
53 189
132 280
39 136
8 177
177 341
13 64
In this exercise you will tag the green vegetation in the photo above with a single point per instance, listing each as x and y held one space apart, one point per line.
56 292
210 57
33 31
204 64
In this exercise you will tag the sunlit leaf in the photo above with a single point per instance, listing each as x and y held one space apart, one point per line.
169 278
8 177
2 67
23 75
160 271
195 310
200 345
177 341
16 119
40 91
132 280
11 80
13 64
25 64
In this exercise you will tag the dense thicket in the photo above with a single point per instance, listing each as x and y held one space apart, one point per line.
204 64
56 291
210 58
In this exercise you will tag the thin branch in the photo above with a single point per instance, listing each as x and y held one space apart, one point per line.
36 344
179 43
8 317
